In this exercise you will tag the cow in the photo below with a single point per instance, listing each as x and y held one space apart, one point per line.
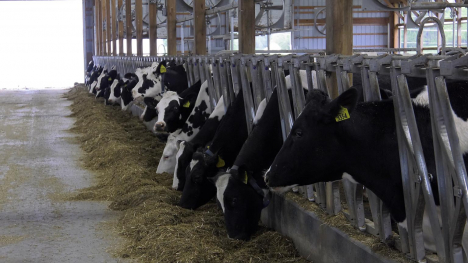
126 91
139 75
362 148
114 91
149 113
89 71
174 109
106 82
187 148
220 154
241 191
94 77
201 110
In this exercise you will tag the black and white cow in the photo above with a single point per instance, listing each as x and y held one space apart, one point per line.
139 72
94 78
149 113
201 110
174 109
89 71
126 91
241 191
187 148
362 148
106 83
114 91
206 162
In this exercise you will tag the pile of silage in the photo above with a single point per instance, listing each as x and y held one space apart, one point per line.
124 155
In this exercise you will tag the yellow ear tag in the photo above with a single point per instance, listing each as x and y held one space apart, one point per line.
162 69
125 85
109 79
186 105
220 163
246 178
342 115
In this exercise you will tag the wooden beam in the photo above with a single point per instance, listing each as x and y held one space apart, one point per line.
339 36
121 29
153 10
114 28
109 30
97 11
246 26
128 17
139 26
171 28
199 27
88 32
393 29
104 31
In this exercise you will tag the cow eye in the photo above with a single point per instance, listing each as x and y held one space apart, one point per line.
298 133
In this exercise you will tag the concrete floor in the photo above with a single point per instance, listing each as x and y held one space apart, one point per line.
39 165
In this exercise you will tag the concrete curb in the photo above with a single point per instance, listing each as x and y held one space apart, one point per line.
313 239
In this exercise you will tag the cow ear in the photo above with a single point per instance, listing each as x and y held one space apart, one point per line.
178 142
340 108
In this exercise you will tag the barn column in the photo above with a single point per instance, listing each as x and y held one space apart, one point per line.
153 10
103 31
88 31
114 28
171 28
108 28
200 27
97 24
339 25
139 26
246 26
128 18
121 29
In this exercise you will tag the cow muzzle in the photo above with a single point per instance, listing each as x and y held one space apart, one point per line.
159 126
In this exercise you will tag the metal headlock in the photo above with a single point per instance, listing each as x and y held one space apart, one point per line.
258 75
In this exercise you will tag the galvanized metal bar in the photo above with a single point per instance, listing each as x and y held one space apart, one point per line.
213 95
248 100
257 81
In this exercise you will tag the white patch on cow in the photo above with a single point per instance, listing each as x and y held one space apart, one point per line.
91 87
422 99
126 107
221 185
140 72
303 75
168 159
175 180
349 177
218 110
193 163
461 126
98 84
283 189
162 105
404 224
143 113
260 110
97 93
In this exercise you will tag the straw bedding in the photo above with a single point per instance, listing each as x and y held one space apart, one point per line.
124 156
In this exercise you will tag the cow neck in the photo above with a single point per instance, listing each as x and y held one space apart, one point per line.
265 141
375 160
232 132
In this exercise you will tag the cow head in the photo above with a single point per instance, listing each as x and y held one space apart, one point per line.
198 189
115 89
168 159
184 155
126 93
150 110
242 199
313 151
169 112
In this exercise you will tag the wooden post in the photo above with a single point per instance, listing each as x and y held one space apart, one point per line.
128 17
88 31
153 11
393 30
171 28
139 26
104 32
200 27
98 25
339 24
246 26
114 28
121 29
108 28
459 26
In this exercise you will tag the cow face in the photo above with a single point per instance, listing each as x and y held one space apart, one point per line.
184 155
150 110
313 151
126 94
168 110
167 162
198 189
242 201
151 87
114 96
